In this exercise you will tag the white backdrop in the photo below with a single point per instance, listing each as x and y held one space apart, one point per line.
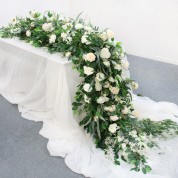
147 28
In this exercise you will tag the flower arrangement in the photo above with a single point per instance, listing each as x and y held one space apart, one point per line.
104 95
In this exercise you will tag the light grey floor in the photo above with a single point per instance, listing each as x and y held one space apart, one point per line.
23 152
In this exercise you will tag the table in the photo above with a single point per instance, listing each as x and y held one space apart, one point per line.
43 85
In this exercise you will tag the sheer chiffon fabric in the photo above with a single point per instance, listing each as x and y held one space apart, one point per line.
43 86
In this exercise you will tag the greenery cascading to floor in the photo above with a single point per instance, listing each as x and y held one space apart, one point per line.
104 95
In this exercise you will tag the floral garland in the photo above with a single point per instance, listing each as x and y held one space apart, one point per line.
104 95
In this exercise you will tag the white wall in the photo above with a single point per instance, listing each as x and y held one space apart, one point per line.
148 28
11 8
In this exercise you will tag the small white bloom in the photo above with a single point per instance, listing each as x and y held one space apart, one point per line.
32 24
103 36
33 13
95 118
105 54
78 26
68 54
89 57
110 34
88 70
47 27
69 39
98 86
63 35
102 99
112 128
110 108
111 79
106 63
85 40
28 33
114 90
52 39
14 21
120 139
122 55
87 87
125 64
64 27
123 146
87 28
134 85
125 110
100 76
133 133
86 99
136 114
106 85
117 67
114 118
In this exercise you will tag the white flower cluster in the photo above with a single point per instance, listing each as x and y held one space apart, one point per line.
48 27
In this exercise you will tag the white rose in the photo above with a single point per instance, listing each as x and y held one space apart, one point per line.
112 128
52 39
28 33
102 99
103 36
134 85
47 27
111 79
88 70
125 110
78 26
110 108
86 99
114 118
106 63
136 113
89 57
110 34
98 86
84 40
125 65
114 90
100 76
63 35
87 87
68 54
105 54
87 28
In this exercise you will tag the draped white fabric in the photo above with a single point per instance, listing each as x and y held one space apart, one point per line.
43 85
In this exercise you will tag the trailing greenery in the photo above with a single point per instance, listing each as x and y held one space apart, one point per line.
103 96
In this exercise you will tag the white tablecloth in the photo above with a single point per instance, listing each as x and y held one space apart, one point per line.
43 85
